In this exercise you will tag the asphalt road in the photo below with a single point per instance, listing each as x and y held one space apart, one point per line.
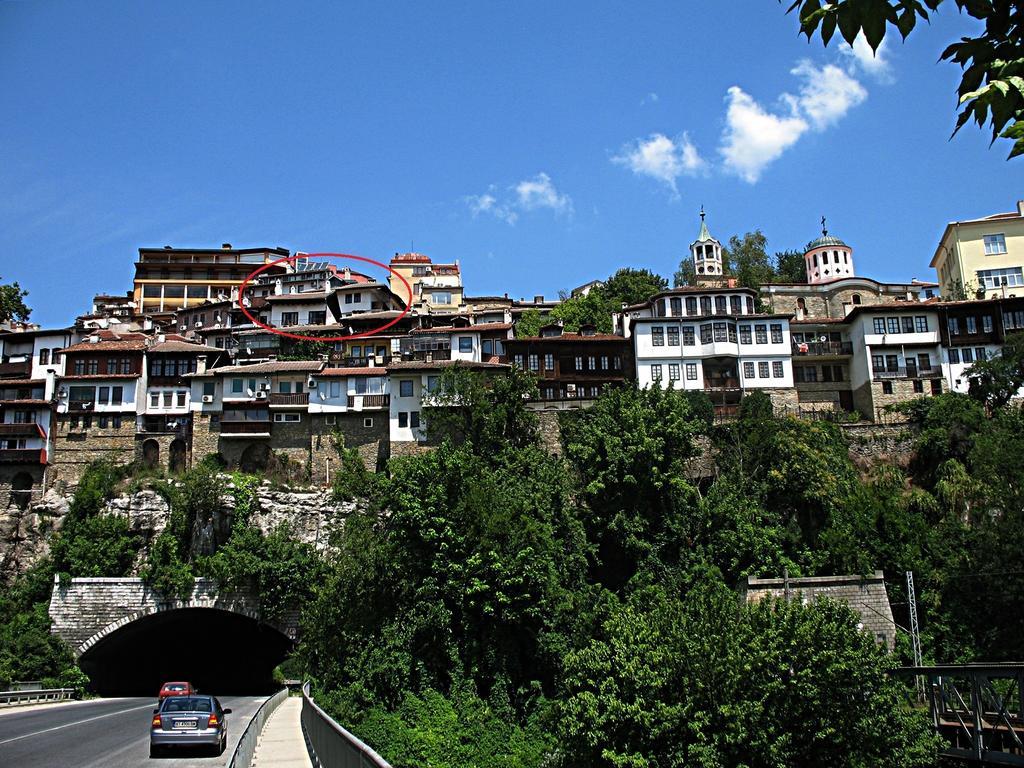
106 733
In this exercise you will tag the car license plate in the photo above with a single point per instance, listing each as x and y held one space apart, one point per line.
184 724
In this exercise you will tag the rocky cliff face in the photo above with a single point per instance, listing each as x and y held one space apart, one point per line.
25 533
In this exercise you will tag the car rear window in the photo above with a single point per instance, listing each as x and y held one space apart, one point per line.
175 687
187 704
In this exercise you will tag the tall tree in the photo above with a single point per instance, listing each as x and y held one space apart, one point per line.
789 267
686 274
992 84
996 380
632 286
12 303
747 259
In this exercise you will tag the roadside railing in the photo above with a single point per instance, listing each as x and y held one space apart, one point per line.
11 698
330 745
246 746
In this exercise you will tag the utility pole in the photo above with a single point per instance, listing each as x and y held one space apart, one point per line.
915 635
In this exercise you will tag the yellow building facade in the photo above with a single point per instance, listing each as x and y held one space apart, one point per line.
984 254
436 288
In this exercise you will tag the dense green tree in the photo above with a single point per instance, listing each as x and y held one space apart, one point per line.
632 286
992 85
686 274
999 378
529 323
12 303
790 267
747 259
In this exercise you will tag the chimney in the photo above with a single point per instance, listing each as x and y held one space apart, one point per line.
161 338
225 246
1020 207
200 364
347 273
147 324
538 299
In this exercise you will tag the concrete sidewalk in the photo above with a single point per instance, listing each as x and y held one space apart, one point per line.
281 743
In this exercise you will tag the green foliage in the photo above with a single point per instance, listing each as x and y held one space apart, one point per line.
352 480
488 412
756 405
998 379
790 267
992 84
747 259
12 303
686 274
304 350
529 323
702 681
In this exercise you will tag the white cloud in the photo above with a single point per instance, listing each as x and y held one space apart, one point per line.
527 195
650 98
539 192
754 137
661 158
873 63
827 94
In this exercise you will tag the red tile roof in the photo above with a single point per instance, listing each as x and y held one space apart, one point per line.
573 337
364 370
110 341
418 365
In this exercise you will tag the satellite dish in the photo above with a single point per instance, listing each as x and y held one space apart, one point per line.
323 395
248 391
823 338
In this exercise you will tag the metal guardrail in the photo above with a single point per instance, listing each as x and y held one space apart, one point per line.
11 698
330 745
246 746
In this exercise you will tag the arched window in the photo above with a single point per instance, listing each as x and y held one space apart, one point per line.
855 298
801 304
824 257
815 260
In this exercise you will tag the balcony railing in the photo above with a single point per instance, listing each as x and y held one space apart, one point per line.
10 370
426 355
908 373
28 429
23 456
244 427
823 348
278 398
360 362
368 401
15 395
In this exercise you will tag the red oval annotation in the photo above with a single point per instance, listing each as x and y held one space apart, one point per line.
313 256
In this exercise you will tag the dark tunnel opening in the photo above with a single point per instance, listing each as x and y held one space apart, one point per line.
217 651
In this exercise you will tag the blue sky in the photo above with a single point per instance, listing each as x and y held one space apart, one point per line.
541 144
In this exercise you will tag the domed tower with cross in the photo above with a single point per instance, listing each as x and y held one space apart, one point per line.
827 258
706 252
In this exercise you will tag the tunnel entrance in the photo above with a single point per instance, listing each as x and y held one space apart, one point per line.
220 652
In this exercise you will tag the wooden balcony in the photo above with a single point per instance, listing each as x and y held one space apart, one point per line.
278 399
364 402
245 428
30 429
16 370
823 348
23 456
908 373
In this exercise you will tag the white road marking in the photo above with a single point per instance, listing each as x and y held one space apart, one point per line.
77 722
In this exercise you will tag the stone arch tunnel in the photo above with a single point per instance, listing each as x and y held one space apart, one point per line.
130 639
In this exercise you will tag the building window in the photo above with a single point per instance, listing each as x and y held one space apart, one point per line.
180 399
316 318
617 363
604 359
465 343
154 399
776 333
534 362
116 395
677 306
980 354
918 386
691 305
762 370
893 324
972 324
691 371
517 361
414 419
986 323
579 363
549 361
953 324
996 278
673 336
720 305
688 336
721 333
908 324
750 305
748 370
967 355
405 388
673 371
591 363
855 298
735 305
705 333
953 355
287 417
209 388
936 386
921 324
330 420
403 419
745 334
284 387
658 336
167 399
656 372
995 244
878 325
289 318
367 422
924 361
705 305
886 387
777 369
761 334
44 356
439 297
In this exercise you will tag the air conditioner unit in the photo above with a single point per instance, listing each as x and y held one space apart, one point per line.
183 327
199 323
261 395
207 398
310 383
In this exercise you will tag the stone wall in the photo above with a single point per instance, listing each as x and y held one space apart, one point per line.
782 399
21 475
84 610
371 441
874 444
866 595
75 448
409 448
25 533
549 427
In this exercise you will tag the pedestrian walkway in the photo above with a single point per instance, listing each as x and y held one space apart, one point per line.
281 744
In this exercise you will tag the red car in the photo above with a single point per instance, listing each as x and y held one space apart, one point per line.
176 689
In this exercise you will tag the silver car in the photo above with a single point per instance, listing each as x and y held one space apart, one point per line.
189 721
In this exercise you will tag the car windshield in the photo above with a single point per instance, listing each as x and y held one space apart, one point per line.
187 704
175 687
